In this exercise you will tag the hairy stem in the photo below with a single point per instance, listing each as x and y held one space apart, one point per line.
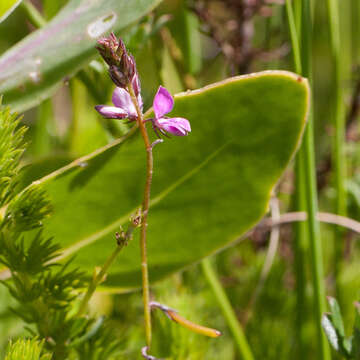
144 215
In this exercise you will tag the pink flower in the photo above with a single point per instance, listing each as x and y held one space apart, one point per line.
163 104
123 105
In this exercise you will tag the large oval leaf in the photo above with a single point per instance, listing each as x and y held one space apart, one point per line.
209 188
32 70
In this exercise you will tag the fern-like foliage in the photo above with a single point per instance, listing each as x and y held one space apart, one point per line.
27 349
47 292
11 149
26 210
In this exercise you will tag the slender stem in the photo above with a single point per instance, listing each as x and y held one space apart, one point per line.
355 31
293 36
311 192
327 218
228 311
300 236
33 14
339 158
97 279
144 215
269 259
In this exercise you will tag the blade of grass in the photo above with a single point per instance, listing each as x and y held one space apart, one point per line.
228 311
301 229
338 156
308 152
355 31
307 164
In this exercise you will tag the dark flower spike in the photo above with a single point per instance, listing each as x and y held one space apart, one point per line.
110 49
122 67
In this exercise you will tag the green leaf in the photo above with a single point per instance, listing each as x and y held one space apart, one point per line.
336 316
330 331
7 7
209 188
334 329
32 70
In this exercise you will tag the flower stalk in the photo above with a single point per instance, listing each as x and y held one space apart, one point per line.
144 215
128 104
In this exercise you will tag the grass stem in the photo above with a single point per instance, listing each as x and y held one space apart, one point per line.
307 174
97 279
228 311
339 159
315 246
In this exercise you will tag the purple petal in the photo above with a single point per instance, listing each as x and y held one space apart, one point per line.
136 84
122 99
163 102
184 123
111 112
175 126
137 89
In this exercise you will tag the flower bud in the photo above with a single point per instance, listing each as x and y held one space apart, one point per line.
118 77
122 66
111 50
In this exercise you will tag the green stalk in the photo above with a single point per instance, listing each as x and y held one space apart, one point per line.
98 278
306 178
339 159
355 31
228 311
33 14
293 26
308 153
297 14
301 230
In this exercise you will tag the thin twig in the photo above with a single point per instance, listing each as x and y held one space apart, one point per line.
324 217
121 241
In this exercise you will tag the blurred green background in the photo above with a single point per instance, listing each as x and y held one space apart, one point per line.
186 45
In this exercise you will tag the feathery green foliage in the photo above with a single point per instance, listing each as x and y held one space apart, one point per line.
27 349
11 149
47 292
